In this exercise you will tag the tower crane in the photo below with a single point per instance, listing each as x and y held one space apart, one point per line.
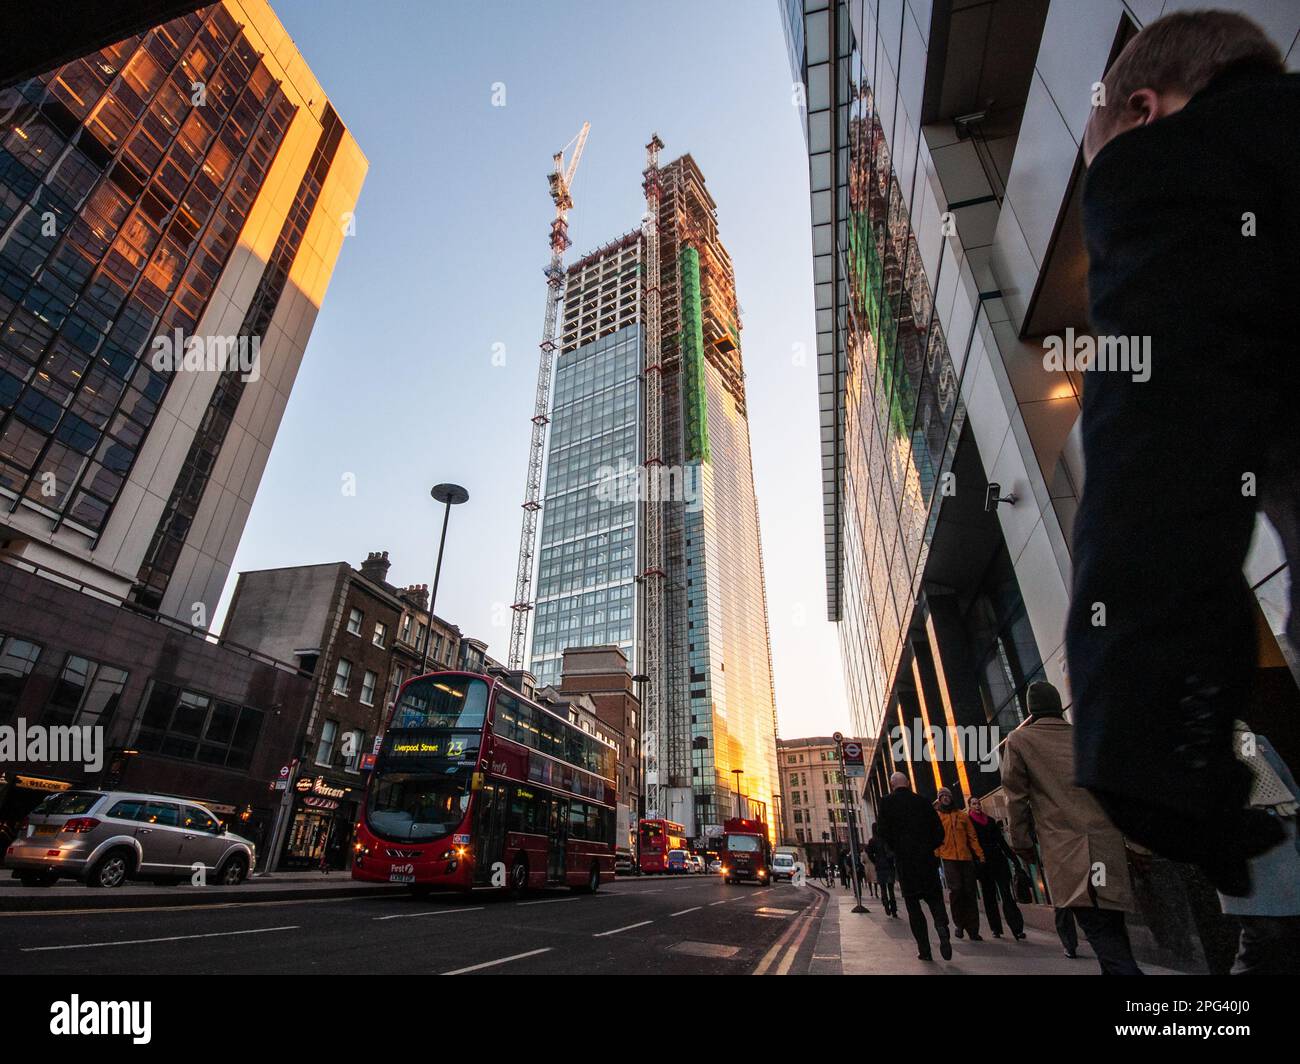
561 187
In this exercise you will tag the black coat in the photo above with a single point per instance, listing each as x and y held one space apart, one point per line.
997 854
909 826
1166 517
878 854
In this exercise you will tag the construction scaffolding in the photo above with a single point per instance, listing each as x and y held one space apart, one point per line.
652 572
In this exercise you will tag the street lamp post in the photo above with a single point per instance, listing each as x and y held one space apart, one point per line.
640 679
738 772
449 495
853 831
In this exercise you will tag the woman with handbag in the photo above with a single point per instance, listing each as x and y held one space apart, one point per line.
995 871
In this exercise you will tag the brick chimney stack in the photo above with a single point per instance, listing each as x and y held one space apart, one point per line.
416 595
375 567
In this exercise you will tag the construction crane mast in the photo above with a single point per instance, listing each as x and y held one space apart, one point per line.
561 182
653 730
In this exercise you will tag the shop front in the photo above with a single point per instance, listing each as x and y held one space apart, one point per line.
321 830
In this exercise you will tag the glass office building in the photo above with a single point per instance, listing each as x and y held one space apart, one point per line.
719 709
184 190
587 564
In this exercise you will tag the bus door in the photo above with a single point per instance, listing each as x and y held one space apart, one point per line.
489 830
559 836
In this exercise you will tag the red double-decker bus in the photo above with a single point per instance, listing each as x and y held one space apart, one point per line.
654 839
477 786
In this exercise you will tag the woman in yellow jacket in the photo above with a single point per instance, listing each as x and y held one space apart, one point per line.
960 853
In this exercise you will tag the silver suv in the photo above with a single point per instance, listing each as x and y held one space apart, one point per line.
105 838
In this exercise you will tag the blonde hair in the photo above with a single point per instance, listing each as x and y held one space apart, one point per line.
1182 52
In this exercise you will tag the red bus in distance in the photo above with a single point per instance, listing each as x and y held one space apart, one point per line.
654 839
477 786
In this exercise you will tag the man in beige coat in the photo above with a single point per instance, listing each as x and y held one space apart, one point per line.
1084 857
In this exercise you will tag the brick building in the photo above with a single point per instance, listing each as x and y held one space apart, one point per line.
359 637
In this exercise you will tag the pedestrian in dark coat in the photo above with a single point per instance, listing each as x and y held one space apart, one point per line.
910 827
1195 151
883 862
995 873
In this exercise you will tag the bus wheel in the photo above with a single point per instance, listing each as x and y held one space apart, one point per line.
593 880
519 876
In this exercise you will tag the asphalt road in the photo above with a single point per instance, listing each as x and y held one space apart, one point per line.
650 925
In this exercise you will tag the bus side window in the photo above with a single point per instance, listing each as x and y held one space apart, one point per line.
595 827
506 722
539 814
577 820
518 804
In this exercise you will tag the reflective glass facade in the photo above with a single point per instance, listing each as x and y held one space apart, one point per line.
892 411
121 199
730 696
586 591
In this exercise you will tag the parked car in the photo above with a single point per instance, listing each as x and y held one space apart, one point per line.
679 862
715 866
104 838
697 864
783 866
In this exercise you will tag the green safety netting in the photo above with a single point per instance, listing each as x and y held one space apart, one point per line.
692 348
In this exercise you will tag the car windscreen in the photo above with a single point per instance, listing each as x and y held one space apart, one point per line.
68 803
743 844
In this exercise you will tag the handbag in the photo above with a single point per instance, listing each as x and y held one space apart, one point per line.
1021 887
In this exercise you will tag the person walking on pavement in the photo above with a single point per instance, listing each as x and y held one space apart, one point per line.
867 874
883 863
1084 857
912 830
844 870
962 855
995 873
1181 455
1270 914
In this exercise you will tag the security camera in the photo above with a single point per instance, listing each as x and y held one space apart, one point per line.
993 496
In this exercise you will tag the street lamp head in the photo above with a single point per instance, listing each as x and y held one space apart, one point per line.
451 494
641 677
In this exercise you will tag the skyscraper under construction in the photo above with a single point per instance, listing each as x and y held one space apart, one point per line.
649 522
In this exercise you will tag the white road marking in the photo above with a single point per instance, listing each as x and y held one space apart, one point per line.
170 938
499 960
722 902
620 930
431 912
696 909
191 908
548 901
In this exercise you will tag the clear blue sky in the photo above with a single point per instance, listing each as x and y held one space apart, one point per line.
399 387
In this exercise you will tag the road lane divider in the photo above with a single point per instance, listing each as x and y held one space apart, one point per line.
620 930
499 960
149 941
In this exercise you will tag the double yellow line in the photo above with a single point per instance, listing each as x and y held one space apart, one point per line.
790 941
